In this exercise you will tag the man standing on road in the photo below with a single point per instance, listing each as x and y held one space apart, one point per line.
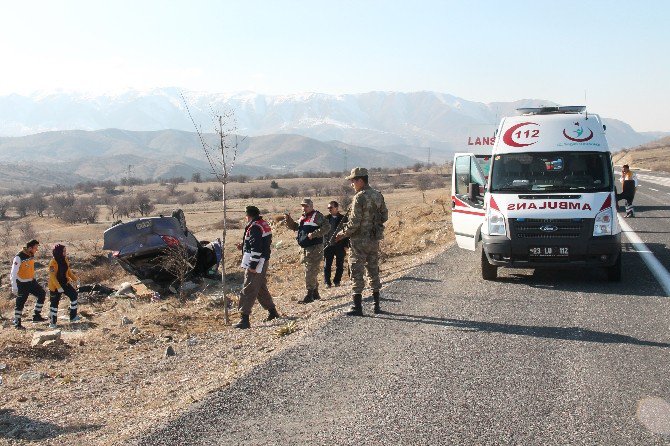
256 246
311 229
365 228
332 248
22 279
628 187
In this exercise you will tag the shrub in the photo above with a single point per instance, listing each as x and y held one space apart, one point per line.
22 206
214 194
27 230
143 204
4 207
188 198
171 189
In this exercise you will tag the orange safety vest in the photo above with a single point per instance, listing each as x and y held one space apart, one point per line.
53 274
26 271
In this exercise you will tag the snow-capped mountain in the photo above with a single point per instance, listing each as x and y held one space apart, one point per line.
376 119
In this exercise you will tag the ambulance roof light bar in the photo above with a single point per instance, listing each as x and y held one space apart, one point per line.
551 110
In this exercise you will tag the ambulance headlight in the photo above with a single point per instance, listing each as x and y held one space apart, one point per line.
603 223
496 222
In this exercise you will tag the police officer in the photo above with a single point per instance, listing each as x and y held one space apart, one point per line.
311 229
365 228
256 247
22 278
334 250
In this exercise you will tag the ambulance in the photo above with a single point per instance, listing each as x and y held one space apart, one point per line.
542 196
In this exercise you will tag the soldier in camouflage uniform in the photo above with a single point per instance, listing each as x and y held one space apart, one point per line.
311 229
365 228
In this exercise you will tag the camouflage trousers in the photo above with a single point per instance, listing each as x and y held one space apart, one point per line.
311 257
364 257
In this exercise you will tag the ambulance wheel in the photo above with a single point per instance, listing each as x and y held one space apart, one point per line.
489 272
614 271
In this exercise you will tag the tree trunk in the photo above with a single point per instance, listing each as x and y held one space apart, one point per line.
224 284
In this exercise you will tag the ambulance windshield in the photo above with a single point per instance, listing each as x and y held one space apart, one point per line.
551 172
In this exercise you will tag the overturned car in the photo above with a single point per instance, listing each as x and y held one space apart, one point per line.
143 247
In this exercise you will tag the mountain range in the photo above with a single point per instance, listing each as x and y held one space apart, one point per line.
67 157
376 119
71 137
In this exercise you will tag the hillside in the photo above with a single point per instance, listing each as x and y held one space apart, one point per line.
375 119
652 156
68 157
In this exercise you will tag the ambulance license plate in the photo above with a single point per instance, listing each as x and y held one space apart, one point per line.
549 251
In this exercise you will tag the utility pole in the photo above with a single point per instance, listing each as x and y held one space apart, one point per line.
345 160
129 176
428 156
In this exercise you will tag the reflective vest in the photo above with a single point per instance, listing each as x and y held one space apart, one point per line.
26 272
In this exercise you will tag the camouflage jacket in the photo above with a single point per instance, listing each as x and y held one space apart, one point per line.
367 216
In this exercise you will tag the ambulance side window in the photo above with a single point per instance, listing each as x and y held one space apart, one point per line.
475 174
462 175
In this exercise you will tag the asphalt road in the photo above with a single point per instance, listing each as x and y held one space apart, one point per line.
536 358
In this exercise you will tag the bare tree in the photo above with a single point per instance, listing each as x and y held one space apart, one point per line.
424 182
221 158
143 204
4 207
177 261
171 189
27 230
38 204
22 206
6 234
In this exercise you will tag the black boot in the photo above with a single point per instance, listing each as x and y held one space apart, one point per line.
377 309
243 323
17 324
272 314
315 294
357 307
308 299
38 318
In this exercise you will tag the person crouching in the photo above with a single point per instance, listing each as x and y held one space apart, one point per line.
61 279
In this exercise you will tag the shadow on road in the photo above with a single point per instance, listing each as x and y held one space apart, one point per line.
594 280
565 333
20 427
643 208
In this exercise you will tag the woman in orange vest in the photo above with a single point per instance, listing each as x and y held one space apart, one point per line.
61 279
628 187
22 278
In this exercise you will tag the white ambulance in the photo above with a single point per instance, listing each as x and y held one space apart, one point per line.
544 196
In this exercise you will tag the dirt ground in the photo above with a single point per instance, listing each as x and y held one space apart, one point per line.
109 381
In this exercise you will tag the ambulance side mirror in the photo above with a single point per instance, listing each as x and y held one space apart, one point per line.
473 191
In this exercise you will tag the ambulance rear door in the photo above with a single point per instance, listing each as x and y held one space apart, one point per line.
468 185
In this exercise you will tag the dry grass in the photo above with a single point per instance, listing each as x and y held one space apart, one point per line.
652 156
124 376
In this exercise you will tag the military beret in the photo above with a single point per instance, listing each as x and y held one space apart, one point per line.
357 172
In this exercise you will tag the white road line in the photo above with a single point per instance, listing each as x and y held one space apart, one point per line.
656 268
655 190
663 181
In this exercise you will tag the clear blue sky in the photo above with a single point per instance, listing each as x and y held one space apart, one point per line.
616 50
